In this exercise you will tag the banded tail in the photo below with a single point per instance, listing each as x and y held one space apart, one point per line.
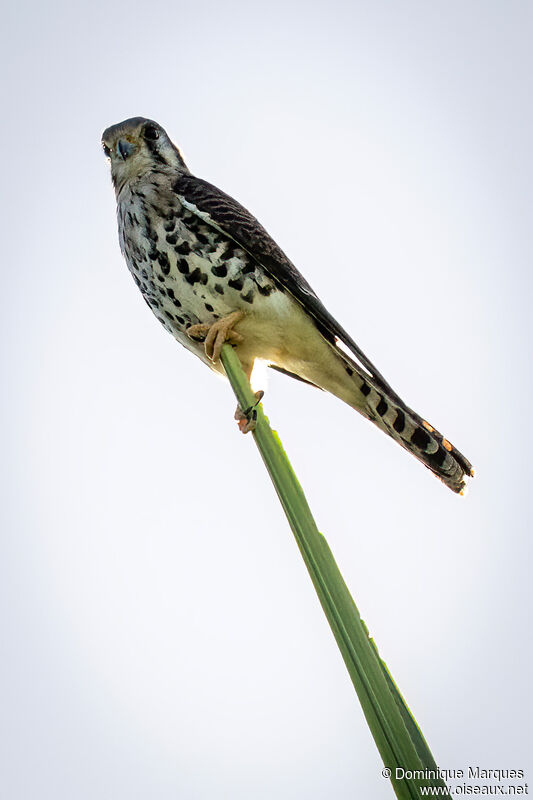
384 407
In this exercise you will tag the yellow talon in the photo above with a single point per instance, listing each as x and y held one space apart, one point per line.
217 333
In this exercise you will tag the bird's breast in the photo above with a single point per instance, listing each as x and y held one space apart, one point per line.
188 271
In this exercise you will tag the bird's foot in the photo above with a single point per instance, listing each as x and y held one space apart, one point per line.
247 419
216 334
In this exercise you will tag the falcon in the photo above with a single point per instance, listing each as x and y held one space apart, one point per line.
212 274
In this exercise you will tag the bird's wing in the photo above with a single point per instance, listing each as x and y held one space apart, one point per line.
228 216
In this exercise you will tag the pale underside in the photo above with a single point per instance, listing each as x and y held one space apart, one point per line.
275 328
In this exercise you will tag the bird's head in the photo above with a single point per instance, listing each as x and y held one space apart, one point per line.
137 146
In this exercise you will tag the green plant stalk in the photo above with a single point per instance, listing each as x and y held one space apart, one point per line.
397 736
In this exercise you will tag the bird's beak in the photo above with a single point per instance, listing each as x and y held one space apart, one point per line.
124 149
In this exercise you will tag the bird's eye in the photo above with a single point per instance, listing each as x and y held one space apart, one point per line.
151 132
107 151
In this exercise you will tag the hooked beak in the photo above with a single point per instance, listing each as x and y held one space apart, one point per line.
124 149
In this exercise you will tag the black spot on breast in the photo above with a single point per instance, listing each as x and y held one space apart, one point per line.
236 283
209 307
248 268
175 301
168 315
183 266
365 389
382 407
180 320
229 251
192 222
202 239
183 249
164 263
219 288
220 272
399 422
194 277
265 290
149 232
248 297
421 438
172 238
169 226
203 278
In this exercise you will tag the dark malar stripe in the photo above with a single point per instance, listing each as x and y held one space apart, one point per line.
156 155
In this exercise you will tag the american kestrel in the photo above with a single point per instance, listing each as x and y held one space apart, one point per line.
211 273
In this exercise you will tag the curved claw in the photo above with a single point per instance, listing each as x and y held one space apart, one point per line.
217 333
247 419
217 336
197 332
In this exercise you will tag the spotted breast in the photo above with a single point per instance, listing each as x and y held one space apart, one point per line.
187 271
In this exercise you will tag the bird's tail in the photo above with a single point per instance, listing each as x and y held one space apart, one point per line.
383 406
359 384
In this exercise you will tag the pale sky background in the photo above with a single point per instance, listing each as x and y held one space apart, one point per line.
160 635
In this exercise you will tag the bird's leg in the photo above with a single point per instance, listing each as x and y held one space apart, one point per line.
214 336
217 333
247 419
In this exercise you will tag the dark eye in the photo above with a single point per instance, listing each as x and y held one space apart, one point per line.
151 132
107 151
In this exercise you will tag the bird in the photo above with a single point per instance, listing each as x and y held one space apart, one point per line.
212 274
